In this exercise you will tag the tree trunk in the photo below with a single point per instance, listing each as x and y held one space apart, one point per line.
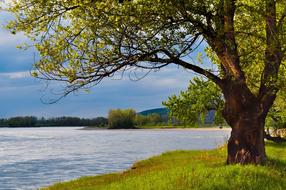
245 115
246 143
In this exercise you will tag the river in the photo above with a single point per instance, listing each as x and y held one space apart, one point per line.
35 157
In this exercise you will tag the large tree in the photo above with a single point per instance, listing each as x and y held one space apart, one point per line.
83 41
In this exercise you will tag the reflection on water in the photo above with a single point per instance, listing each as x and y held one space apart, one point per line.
35 157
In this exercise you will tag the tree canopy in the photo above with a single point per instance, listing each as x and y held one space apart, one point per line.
81 42
201 97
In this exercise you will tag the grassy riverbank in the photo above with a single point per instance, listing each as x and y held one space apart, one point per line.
166 127
180 127
184 170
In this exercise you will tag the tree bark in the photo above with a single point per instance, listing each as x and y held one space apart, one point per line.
245 115
246 144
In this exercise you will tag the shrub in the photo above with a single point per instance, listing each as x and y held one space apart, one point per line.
141 120
121 119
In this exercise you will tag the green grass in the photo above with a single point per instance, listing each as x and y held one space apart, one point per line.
185 170
178 126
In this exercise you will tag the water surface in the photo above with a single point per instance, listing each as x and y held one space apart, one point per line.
35 157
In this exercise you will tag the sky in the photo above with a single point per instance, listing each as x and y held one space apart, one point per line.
23 95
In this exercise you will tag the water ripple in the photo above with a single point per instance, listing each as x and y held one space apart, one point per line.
37 157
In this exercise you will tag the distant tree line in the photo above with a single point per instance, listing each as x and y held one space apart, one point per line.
117 119
32 121
126 119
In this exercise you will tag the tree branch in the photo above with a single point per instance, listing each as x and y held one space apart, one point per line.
273 57
224 43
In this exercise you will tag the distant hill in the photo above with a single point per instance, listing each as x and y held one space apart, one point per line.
164 113
160 111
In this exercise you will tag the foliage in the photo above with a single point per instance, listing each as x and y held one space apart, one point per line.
22 121
32 121
152 119
82 42
141 120
194 103
121 119
98 122
276 118
187 170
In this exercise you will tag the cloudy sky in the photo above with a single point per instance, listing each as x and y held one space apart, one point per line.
21 94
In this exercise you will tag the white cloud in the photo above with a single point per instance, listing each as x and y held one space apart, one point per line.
6 37
10 40
16 75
